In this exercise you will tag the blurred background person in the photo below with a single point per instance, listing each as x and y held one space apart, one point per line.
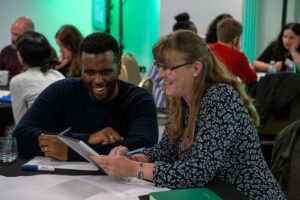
35 54
211 34
8 56
284 51
182 23
227 49
68 38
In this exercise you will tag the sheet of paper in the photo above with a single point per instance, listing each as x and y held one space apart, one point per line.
61 187
46 161
4 93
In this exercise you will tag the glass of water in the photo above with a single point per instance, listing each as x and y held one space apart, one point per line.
8 149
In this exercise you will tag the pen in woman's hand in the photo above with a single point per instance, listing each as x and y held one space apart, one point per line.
140 150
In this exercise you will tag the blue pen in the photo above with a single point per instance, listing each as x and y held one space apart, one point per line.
37 168
140 150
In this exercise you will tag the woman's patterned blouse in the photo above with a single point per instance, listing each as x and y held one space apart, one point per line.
226 147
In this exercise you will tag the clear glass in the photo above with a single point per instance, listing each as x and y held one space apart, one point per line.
8 149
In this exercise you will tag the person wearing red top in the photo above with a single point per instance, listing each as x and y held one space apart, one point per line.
227 49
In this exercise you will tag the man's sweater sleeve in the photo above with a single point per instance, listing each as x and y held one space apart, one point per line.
143 128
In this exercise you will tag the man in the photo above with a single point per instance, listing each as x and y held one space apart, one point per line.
100 109
8 56
227 49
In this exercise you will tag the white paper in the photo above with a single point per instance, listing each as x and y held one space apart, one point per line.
46 161
80 147
62 187
4 93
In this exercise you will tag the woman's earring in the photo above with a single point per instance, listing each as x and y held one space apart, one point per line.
195 75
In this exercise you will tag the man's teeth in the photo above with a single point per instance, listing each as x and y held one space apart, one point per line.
99 89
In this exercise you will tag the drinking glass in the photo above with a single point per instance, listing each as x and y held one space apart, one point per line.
8 149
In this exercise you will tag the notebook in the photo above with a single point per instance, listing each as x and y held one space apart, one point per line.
185 194
79 146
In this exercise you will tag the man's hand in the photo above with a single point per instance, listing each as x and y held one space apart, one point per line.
53 147
105 136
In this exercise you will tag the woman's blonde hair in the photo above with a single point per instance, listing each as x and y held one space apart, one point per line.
194 48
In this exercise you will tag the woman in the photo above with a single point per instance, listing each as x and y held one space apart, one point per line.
35 54
211 132
68 38
284 51
211 34
183 23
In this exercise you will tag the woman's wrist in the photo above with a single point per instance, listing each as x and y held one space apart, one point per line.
135 169
140 173
148 171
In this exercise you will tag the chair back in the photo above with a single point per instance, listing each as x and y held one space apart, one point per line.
147 84
292 191
277 102
132 68
285 159
275 124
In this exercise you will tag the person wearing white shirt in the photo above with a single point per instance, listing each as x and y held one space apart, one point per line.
35 54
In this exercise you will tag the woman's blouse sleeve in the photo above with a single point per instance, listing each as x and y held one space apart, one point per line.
163 151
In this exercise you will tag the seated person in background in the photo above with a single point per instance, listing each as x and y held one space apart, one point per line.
284 51
211 34
68 39
101 110
211 133
182 23
8 56
158 90
227 49
34 52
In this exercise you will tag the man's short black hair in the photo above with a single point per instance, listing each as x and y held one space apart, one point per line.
100 42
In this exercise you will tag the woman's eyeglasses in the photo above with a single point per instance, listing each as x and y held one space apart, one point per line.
168 69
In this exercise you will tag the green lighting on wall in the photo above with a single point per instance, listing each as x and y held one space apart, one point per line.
140 27
100 14
250 26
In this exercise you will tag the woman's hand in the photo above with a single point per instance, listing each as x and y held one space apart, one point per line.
63 62
295 45
117 166
119 150
140 158
278 65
